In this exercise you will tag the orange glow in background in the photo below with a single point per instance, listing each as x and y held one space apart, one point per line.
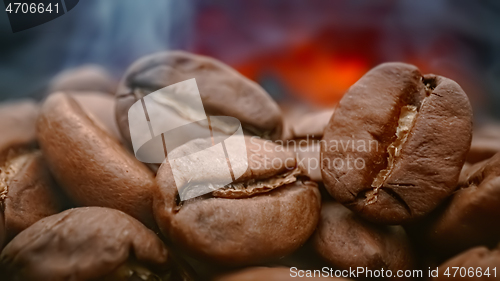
310 72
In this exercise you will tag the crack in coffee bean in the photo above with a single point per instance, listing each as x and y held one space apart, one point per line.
253 186
422 127
13 164
405 123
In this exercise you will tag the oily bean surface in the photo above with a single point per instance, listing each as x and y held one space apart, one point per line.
81 244
90 165
243 230
31 193
346 241
410 132
478 257
223 90
470 218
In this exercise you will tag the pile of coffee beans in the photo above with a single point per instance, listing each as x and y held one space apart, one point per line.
386 185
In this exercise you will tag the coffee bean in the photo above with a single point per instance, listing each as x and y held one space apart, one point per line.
485 143
92 167
266 213
223 91
17 124
347 241
27 191
310 125
471 265
308 155
87 78
301 135
405 136
89 243
270 273
101 109
470 218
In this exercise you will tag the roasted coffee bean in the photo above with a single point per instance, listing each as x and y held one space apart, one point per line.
301 137
92 167
17 125
471 217
266 213
478 263
308 156
27 191
101 109
395 145
272 273
347 241
223 91
90 243
310 125
88 78
485 143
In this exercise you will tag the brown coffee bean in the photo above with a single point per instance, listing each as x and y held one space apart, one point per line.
307 155
470 218
471 265
346 241
87 78
17 124
27 191
301 135
101 109
223 91
89 243
92 167
310 125
265 214
271 273
401 138
485 143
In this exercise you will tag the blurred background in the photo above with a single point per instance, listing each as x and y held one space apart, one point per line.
302 52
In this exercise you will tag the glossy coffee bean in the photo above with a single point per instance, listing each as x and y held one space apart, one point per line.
90 243
223 91
87 78
346 241
266 213
27 191
471 216
89 164
405 136
478 263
